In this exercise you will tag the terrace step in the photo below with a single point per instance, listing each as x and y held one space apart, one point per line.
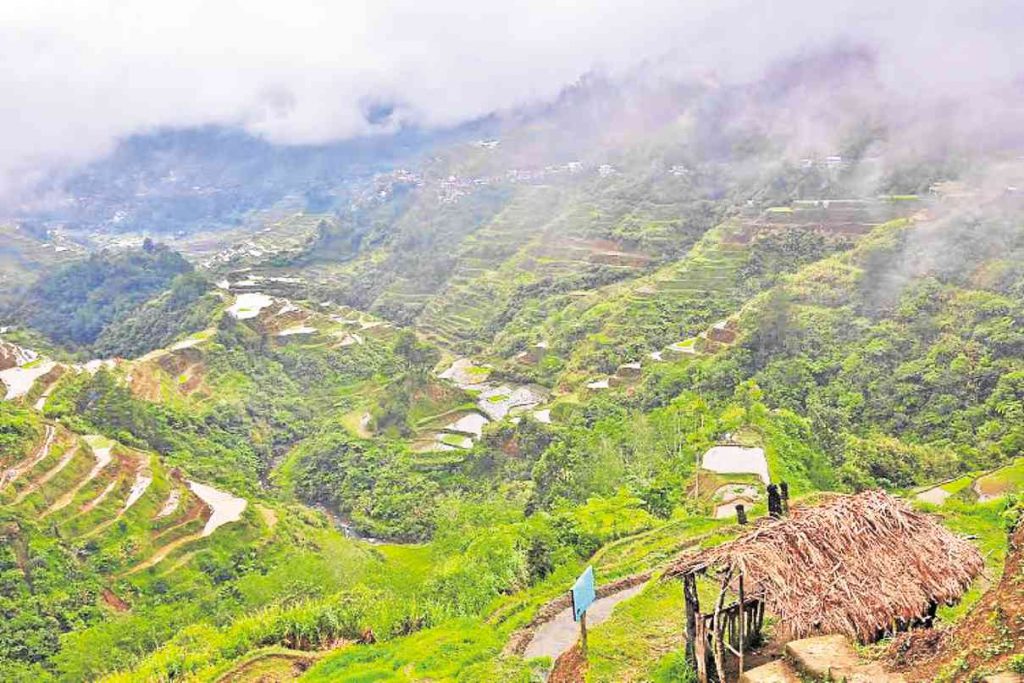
833 658
774 672
1004 677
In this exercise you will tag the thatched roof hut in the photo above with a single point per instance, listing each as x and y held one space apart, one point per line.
856 565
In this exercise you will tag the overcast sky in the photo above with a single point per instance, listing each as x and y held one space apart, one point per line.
77 75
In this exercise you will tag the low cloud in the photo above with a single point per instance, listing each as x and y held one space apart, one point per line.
79 75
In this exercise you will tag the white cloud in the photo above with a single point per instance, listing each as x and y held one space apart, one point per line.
76 75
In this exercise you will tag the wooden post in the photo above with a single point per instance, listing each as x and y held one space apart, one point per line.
743 621
717 643
741 514
583 635
700 650
692 614
774 501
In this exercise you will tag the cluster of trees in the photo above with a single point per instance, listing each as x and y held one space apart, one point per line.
898 341
44 592
18 426
76 303
186 308
372 483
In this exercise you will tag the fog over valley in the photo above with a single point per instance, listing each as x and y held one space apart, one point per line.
525 341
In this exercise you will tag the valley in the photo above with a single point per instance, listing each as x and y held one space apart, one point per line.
371 424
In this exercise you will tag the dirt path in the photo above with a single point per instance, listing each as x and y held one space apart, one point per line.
163 552
91 505
558 635
988 637
269 516
12 473
179 563
101 452
40 403
54 471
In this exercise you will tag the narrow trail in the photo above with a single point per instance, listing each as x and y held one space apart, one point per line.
193 513
559 634
102 526
269 516
163 552
179 563
40 403
53 472
12 473
103 458
91 505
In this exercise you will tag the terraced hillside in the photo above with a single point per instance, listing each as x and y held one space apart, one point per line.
547 238
122 502
379 443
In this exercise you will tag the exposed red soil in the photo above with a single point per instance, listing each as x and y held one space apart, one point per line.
571 667
197 509
111 599
510 447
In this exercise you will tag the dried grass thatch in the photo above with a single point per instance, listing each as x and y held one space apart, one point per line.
855 565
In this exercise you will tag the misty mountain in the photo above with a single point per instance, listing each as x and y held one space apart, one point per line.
338 340
211 178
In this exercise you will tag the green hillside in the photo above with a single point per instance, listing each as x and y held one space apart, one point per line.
379 443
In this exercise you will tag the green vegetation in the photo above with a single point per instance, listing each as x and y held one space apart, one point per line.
186 308
75 304
719 303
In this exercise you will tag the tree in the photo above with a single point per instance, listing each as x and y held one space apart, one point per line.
749 395
776 329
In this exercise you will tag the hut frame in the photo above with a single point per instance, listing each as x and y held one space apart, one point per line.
860 565
729 628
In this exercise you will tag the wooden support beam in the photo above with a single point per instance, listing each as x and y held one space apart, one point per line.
700 651
692 602
774 501
717 644
741 514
